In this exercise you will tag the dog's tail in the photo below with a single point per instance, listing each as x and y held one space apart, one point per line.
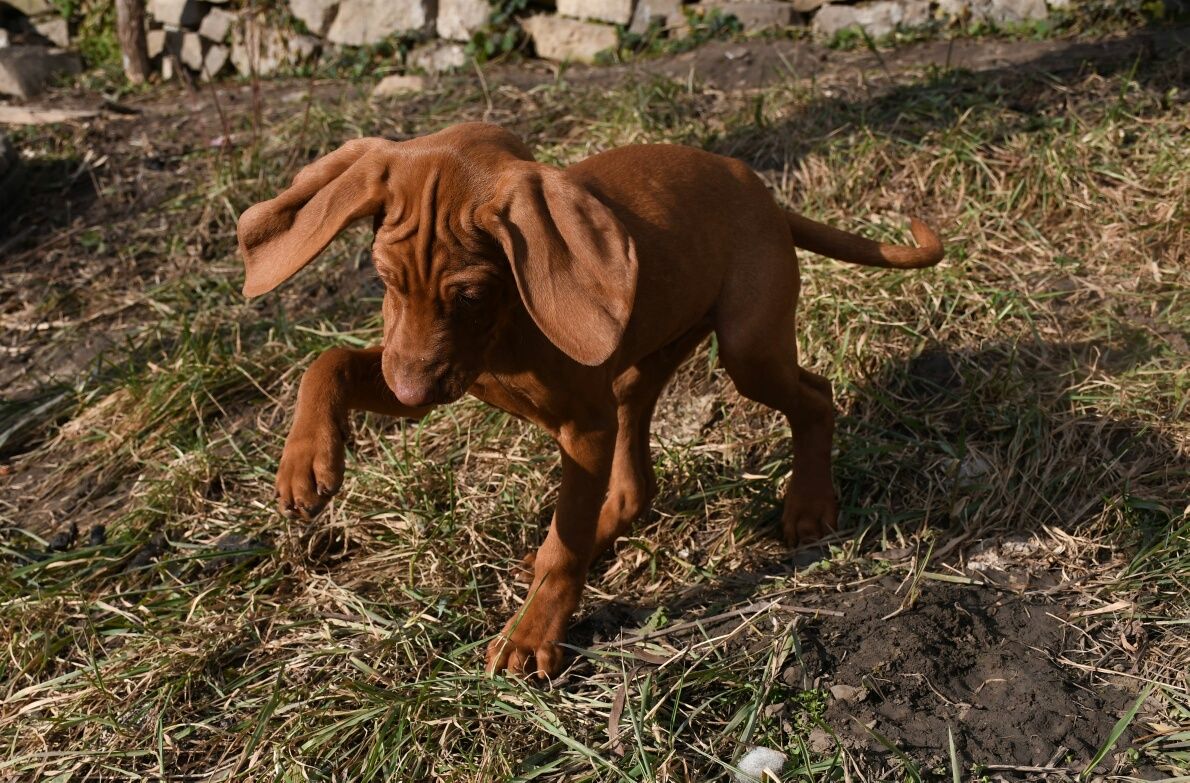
854 249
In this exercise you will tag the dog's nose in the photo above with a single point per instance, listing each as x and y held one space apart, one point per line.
416 392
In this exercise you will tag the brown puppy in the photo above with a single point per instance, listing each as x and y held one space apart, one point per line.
567 298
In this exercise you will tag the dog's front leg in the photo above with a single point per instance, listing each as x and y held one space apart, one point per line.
529 643
339 381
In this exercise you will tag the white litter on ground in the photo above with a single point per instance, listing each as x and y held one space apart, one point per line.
759 761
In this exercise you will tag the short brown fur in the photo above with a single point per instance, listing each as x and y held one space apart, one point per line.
567 298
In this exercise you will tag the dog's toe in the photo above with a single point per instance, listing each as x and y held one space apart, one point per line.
310 473
807 519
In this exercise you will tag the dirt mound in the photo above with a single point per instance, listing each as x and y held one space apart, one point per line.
978 661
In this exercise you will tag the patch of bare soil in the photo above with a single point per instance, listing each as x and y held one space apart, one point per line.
735 65
977 661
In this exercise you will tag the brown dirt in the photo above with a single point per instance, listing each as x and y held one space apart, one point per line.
972 659
735 65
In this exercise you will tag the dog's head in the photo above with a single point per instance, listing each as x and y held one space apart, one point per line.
467 227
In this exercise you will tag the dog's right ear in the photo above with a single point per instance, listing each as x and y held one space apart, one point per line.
280 236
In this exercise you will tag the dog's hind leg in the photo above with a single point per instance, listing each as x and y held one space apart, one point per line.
758 348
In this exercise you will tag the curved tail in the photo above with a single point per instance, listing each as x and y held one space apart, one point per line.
854 249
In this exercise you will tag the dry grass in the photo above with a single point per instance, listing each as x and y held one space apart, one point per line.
1032 391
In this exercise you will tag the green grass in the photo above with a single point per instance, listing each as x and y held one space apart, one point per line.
1035 384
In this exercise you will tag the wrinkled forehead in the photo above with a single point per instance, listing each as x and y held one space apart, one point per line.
434 196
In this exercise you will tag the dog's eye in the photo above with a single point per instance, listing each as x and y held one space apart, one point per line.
471 296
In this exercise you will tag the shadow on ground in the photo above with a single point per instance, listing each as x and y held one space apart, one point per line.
1031 90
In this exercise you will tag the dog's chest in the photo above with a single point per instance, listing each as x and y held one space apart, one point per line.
521 395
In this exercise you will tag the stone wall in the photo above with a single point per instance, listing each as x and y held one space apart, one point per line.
205 39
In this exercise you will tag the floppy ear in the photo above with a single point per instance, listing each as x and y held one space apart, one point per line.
573 261
280 236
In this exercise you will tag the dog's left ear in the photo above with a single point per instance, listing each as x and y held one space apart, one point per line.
574 263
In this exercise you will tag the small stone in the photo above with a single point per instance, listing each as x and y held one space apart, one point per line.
317 15
459 19
821 740
558 38
848 693
362 22
753 16
214 61
216 25
180 13
439 58
3 38
26 70
167 69
614 11
398 85
190 52
52 27
97 536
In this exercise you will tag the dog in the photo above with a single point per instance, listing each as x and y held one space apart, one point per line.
566 297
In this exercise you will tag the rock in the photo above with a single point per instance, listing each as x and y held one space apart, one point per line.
255 44
753 16
820 740
806 6
214 61
398 85
317 15
614 11
155 42
915 13
666 13
32 7
361 22
216 25
995 11
190 52
257 47
559 38
54 28
179 13
439 57
848 693
877 19
26 70
301 48
459 19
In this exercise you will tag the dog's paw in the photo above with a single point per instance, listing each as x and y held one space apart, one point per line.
808 518
311 470
530 644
